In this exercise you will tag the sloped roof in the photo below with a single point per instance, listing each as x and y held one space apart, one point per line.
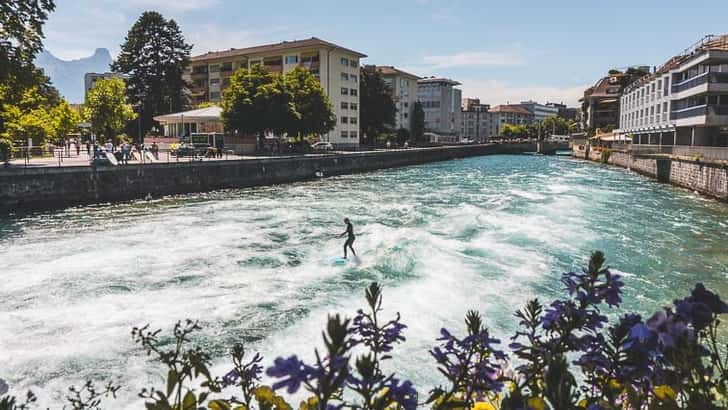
391 70
510 108
201 114
284 45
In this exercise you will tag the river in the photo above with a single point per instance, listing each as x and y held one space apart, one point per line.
483 233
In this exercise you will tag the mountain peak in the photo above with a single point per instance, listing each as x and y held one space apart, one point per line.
67 75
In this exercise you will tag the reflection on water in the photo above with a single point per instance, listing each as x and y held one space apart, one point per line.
252 264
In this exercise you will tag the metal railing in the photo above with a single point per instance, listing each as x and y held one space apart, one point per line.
689 112
706 153
708 77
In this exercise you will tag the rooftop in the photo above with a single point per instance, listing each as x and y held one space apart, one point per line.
510 108
391 70
432 80
282 46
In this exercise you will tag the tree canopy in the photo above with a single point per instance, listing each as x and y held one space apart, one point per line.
315 114
107 108
418 122
376 108
154 56
21 35
257 102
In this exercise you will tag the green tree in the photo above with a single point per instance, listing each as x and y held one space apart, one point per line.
315 114
65 119
21 35
376 108
257 102
154 56
418 122
28 117
107 108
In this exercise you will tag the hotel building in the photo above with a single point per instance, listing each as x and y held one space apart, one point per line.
336 68
441 103
477 122
403 86
684 103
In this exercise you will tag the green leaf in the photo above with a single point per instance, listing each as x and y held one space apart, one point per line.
218 405
171 381
190 401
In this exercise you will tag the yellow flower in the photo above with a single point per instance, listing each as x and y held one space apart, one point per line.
583 403
614 384
264 394
664 392
481 405
536 403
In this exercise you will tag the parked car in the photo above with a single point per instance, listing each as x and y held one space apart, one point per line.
322 146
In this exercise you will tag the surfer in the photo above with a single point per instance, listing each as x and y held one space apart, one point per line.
349 237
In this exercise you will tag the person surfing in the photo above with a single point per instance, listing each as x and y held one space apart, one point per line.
349 237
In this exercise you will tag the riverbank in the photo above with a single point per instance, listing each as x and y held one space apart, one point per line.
705 177
25 189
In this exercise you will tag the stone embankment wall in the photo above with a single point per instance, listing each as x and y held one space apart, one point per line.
25 189
709 179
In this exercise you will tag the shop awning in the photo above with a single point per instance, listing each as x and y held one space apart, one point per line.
202 114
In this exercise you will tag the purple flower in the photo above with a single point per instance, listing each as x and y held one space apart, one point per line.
668 328
640 332
379 339
246 373
710 299
403 393
294 371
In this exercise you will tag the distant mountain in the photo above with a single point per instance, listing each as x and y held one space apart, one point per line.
67 76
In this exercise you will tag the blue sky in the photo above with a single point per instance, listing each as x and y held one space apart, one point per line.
502 51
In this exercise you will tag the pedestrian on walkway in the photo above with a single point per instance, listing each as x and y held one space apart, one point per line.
78 148
125 153
88 148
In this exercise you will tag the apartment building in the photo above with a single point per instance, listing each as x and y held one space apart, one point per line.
508 114
403 87
684 102
477 121
336 68
539 111
441 103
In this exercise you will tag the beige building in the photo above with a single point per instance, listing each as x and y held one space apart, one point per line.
336 67
404 93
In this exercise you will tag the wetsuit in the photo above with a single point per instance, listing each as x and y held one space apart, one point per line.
350 238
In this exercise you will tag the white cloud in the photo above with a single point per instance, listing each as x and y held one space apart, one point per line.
176 6
496 92
212 37
475 59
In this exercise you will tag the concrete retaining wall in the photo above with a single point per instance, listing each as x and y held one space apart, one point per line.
46 188
707 178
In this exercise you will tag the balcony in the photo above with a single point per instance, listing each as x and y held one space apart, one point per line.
698 111
709 78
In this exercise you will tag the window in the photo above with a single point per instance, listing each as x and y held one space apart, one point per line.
344 134
344 61
214 81
406 104
353 63
292 59
353 106
344 77
344 120
215 96
352 134
344 105
353 92
227 66
214 68
352 120
352 77
344 91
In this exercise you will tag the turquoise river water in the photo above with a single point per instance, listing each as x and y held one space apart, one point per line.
483 233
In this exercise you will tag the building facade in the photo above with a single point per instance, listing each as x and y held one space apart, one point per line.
403 86
508 114
89 80
684 102
477 121
539 111
567 113
335 67
441 103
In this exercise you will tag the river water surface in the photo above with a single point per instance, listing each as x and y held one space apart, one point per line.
483 233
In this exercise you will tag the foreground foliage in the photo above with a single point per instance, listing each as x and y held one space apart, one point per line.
564 355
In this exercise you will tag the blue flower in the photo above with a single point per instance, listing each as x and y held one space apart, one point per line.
294 371
668 328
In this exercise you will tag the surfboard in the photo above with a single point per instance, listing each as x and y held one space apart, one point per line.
338 260
112 159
